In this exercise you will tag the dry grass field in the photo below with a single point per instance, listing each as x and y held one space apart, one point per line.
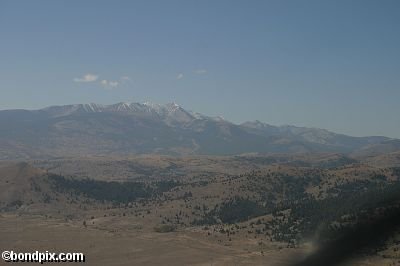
129 244
186 222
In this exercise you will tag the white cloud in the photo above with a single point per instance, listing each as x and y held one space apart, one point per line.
87 78
109 83
180 76
125 80
200 71
113 84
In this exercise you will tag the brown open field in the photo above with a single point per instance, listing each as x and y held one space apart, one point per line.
129 245
183 222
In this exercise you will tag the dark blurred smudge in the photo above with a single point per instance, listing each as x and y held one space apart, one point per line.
369 234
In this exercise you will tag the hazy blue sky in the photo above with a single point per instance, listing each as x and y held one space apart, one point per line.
328 64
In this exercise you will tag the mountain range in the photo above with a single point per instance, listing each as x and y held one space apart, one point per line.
148 128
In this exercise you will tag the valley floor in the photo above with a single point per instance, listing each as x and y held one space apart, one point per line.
127 246
137 245
199 211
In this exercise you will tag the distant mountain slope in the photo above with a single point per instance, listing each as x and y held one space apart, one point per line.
137 128
314 135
